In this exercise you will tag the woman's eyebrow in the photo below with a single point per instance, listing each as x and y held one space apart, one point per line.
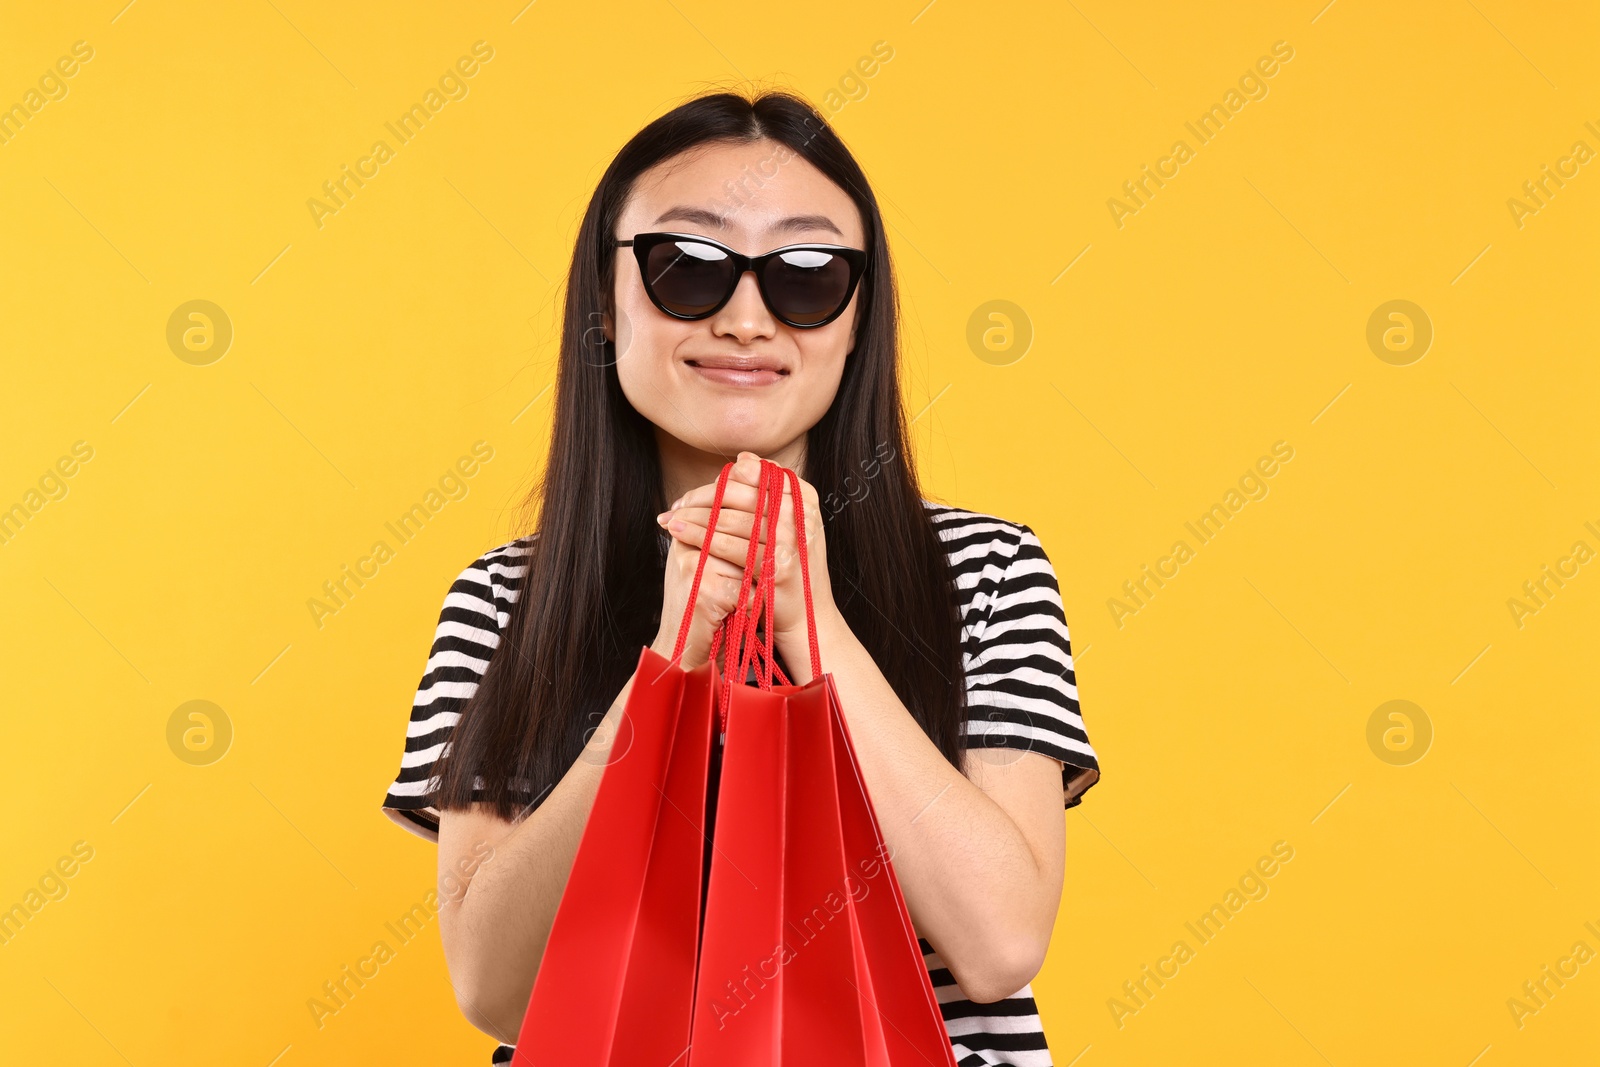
701 216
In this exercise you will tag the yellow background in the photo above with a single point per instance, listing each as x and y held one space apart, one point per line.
1229 313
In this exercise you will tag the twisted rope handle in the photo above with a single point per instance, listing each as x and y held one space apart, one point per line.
700 567
741 623
739 627
769 490
770 497
805 568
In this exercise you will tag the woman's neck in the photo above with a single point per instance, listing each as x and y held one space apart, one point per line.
684 468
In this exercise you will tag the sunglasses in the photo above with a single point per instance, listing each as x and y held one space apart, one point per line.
691 277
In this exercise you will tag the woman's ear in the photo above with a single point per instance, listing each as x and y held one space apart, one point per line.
616 329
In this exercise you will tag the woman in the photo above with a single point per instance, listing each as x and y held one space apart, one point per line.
942 628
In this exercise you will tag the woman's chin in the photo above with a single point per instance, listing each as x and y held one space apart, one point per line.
728 439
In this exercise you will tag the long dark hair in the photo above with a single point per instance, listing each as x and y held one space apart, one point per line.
590 599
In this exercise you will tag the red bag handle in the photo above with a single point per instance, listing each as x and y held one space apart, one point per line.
805 567
740 626
699 570
769 495
771 492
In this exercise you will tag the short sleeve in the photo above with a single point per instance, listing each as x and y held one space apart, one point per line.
474 614
1022 688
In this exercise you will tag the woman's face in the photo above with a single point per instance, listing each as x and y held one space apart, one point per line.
753 198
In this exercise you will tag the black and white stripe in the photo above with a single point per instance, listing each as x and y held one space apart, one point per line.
1021 688
475 610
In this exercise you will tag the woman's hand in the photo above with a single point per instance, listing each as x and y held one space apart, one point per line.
686 521
720 583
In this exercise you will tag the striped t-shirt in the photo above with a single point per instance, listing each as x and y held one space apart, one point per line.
1021 687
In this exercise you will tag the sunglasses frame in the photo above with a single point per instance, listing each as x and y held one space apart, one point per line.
642 243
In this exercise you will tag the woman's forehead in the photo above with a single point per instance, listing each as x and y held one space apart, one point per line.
752 191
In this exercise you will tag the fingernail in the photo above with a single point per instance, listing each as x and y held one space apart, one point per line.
661 519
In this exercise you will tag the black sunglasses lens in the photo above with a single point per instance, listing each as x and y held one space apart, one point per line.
807 285
688 277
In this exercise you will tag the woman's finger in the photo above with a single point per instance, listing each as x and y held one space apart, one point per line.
746 469
731 547
735 495
740 491
722 569
729 520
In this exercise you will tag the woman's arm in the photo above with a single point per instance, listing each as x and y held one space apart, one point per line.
494 927
980 860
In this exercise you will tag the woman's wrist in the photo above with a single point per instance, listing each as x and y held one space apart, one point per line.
794 646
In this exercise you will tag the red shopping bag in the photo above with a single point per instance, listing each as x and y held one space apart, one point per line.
615 985
808 954
798 863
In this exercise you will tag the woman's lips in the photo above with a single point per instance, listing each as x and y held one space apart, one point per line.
738 376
